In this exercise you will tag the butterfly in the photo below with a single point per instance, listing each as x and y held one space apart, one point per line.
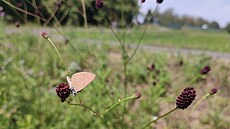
79 81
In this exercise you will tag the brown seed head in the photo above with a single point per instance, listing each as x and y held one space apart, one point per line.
205 70
185 98
63 91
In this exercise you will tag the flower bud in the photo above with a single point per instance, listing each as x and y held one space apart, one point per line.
213 91
159 1
45 35
17 24
205 70
99 4
151 67
137 95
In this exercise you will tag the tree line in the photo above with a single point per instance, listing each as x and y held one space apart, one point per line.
171 19
50 12
69 12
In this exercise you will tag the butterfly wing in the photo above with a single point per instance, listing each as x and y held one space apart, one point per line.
81 80
69 81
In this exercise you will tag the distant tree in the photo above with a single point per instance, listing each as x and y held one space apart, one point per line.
214 25
70 11
228 27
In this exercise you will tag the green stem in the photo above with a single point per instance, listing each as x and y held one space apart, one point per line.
198 102
189 83
120 101
51 12
142 36
90 109
51 42
160 117
19 9
84 13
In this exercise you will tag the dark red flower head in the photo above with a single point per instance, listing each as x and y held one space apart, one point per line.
186 98
159 1
63 91
17 24
213 91
45 35
99 4
58 4
137 95
151 67
205 70
142 1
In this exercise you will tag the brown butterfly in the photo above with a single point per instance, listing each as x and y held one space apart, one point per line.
79 81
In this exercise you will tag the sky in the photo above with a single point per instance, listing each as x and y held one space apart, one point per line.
212 10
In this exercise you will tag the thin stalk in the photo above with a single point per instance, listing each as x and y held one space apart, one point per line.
19 9
124 58
142 36
198 102
84 13
50 11
64 15
34 5
120 41
51 42
189 83
25 16
90 109
118 102
159 117
52 15
129 26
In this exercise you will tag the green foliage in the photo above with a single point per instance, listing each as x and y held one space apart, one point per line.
68 11
30 70
171 19
228 27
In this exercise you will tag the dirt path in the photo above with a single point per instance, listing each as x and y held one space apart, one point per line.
152 48
182 51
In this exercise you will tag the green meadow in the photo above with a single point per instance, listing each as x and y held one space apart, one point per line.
30 70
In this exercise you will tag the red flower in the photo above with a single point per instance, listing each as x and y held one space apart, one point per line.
186 98
159 1
45 35
205 70
99 4
63 91
137 95
213 91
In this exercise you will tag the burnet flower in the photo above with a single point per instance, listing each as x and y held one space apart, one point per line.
63 91
186 98
205 70
159 1
99 4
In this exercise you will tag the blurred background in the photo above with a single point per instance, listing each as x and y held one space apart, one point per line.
176 38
